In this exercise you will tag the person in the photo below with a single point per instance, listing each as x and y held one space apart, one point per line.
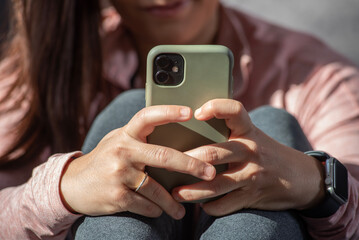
61 71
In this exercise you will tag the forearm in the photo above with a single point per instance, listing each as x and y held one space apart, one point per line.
34 210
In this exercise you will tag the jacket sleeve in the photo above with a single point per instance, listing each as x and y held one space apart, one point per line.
327 107
341 225
34 210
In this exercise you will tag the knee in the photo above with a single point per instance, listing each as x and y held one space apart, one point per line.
255 224
130 101
117 114
272 115
123 107
281 126
127 226
111 227
267 117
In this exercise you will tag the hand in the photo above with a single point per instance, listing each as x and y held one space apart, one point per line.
103 181
262 173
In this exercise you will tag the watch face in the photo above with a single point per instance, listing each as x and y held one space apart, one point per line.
340 183
336 179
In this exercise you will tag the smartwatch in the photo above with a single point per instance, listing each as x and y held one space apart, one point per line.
336 184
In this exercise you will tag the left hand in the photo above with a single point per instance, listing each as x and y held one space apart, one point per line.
262 173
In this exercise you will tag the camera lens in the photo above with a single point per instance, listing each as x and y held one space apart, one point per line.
163 61
162 77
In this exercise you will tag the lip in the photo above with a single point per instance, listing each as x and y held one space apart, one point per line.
171 9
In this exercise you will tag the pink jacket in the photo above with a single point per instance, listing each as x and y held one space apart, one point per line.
273 66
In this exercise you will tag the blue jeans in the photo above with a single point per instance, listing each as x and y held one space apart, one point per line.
244 224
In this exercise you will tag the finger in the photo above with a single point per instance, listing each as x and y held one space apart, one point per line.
138 204
231 202
172 160
222 184
237 118
156 193
144 122
221 153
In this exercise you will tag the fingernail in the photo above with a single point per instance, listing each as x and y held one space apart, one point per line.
198 112
176 197
210 171
180 213
185 112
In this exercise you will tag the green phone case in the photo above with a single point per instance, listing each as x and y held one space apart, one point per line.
207 75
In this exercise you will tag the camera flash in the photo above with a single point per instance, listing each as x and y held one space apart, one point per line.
175 69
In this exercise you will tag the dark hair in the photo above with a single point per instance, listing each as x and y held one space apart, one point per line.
55 52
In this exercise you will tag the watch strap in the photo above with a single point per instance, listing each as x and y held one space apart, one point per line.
319 155
329 205
325 209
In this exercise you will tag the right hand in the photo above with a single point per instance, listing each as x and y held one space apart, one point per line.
102 182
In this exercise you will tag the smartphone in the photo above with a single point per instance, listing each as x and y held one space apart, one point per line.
188 75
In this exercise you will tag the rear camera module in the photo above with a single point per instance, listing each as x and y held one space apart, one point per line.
168 69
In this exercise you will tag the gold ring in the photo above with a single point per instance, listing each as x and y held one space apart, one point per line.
142 182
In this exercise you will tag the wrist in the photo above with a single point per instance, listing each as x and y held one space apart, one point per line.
311 187
318 186
65 186
335 185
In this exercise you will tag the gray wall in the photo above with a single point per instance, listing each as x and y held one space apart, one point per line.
334 21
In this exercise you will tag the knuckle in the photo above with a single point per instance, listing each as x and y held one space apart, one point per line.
121 172
188 196
122 156
153 210
255 150
156 193
123 153
211 154
252 150
210 105
117 195
215 187
237 107
167 111
162 154
119 166
120 199
192 165
237 178
110 134
141 116
256 175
